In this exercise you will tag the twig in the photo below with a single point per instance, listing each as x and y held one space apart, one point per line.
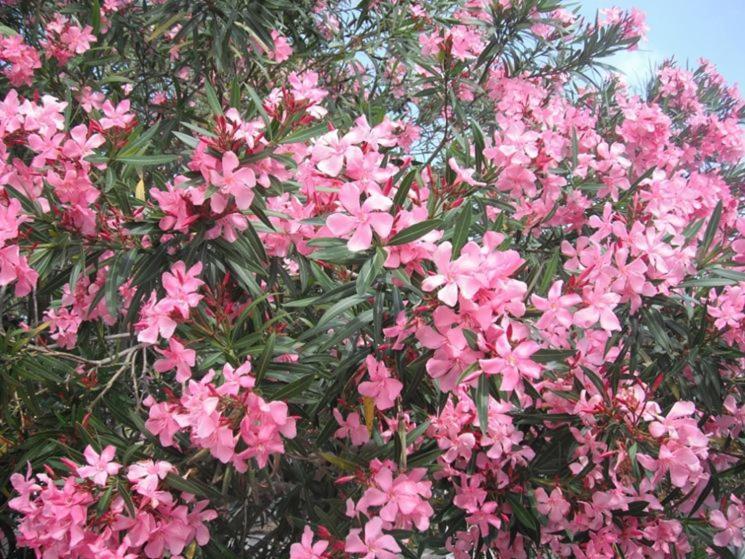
111 382
2 300
120 336
93 362
135 386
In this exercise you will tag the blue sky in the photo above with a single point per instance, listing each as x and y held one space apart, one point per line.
687 30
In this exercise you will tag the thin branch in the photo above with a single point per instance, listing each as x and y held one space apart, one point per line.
92 362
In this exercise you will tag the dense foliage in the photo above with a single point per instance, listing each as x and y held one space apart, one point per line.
329 279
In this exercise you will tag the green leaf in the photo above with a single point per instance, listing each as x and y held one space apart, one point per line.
258 104
708 282
524 517
575 149
244 276
6 31
212 100
235 92
692 229
336 309
552 355
265 358
190 141
304 134
370 270
479 144
415 232
147 160
598 383
105 501
294 388
482 402
462 228
633 449
711 230
729 274
165 26
127 498
77 270
653 321
549 273
403 189
96 16
341 463
192 486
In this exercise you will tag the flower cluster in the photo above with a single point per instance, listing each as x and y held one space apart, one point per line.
65 40
159 317
401 501
75 516
225 417
19 60
440 298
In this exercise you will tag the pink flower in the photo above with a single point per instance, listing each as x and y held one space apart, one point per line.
484 517
329 152
81 145
78 39
228 227
262 429
14 267
600 308
282 49
181 286
47 146
155 320
554 306
147 474
376 544
236 380
404 500
555 506
306 549
381 387
430 43
90 99
305 88
21 60
682 463
679 425
466 42
352 427
452 277
731 527
232 180
26 487
197 517
470 494
161 421
177 204
116 117
363 219
221 443
178 357
463 175
11 217
74 188
100 466
512 363
728 308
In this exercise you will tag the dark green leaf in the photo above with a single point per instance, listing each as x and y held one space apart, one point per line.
415 232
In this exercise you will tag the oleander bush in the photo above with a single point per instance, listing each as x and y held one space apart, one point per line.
365 279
